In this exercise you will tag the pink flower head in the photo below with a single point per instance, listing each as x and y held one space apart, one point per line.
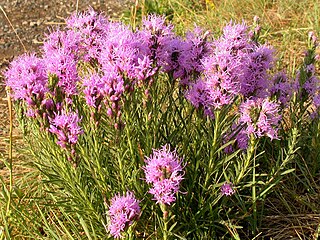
260 117
122 212
235 65
157 25
28 79
227 189
282 89
165 172
65 126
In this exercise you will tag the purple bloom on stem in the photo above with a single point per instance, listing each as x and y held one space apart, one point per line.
192 51
308 86
199 94
241 139
128 53
236 66
165 172
260 117
168 55
164 191
316 100
67 40
313 38
88 22
123 210
92 29
93 90
311 86
64 65
157 26
227 189
255 81
282 89
154 36
28 79
107 88
65 126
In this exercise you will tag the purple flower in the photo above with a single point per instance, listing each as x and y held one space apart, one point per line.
123 210
316 100
156 26
313 38
63 64
66 128
164 191
236 65
260 117
68 40
28 80
282 89
92 29
93 90
184 57
155 38
311 85
108 89
255 80
239 135
307 85
199 94
88 22
227 189
168 55
128 53
165 172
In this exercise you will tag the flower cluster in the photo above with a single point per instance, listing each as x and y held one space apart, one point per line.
114 61
28 79
282 88
260 117
123 210
236 66
165 172
227 189
66 127
240 136
311 85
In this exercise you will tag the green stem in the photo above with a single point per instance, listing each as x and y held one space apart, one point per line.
10 155
254 198
121 171
129 137
130 233
165 220
213 149
165 235
250 155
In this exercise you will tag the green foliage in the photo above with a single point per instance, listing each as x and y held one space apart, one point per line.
71 199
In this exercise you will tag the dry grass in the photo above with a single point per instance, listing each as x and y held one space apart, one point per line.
295 226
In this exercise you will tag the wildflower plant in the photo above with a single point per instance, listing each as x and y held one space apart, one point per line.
122 212
227 189
164 171
103 102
